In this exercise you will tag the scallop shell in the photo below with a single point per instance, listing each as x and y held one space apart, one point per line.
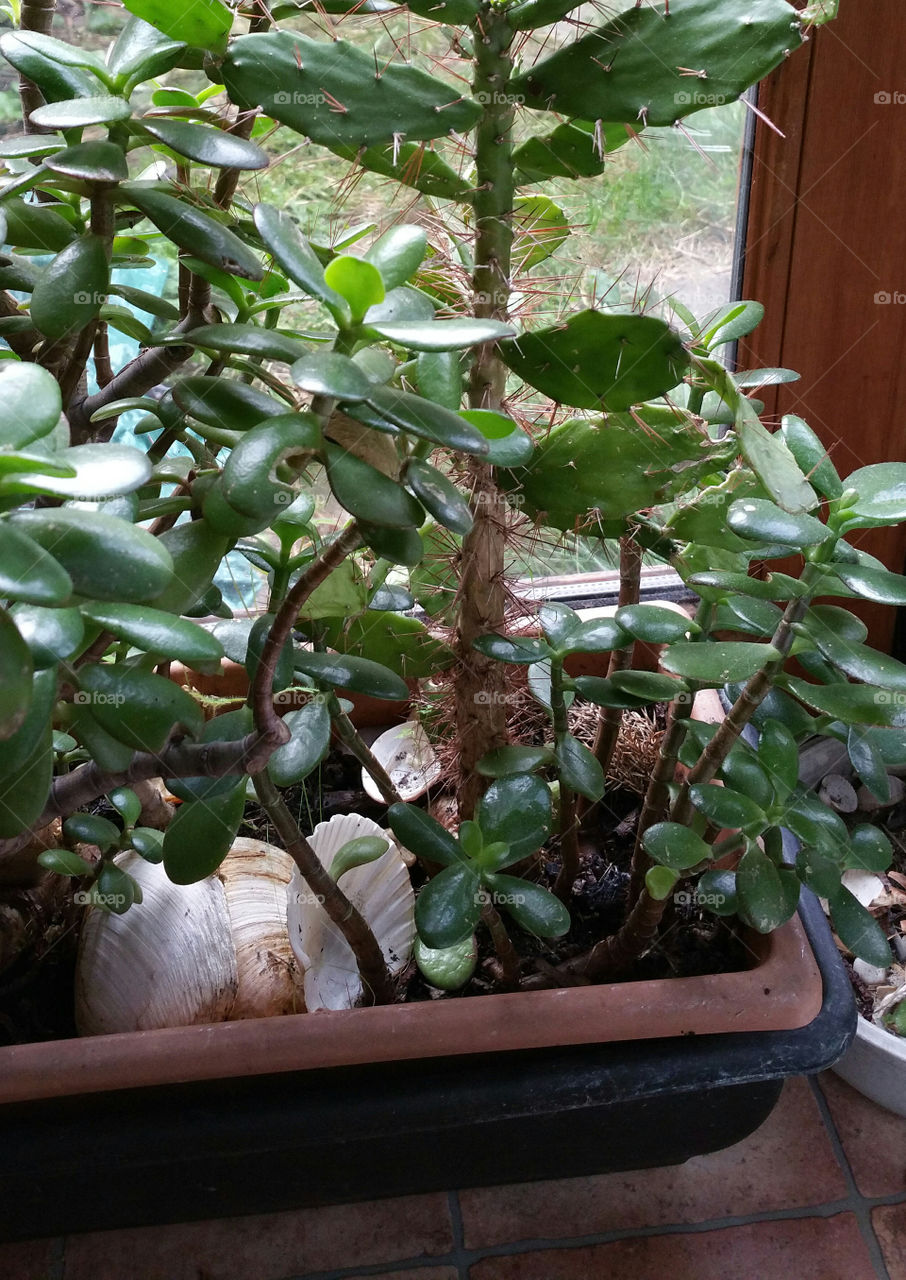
214 951
406 753
380 890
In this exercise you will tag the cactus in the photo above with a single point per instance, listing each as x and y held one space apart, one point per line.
337 95
656 66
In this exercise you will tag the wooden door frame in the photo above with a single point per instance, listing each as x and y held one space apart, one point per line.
826 234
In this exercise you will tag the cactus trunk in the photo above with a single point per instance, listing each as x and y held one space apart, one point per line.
481 684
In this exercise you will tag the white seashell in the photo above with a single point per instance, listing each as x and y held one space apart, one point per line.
865 886
380 890
406 753
213 951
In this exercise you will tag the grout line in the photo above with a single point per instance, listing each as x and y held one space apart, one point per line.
58 1259
860 1203
459 1246
461 1258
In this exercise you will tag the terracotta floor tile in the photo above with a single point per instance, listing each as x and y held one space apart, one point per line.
874 1139
889 1223
30 1260
267 1247
803 1249
787 1163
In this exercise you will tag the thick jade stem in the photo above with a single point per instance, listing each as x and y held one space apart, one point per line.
481 683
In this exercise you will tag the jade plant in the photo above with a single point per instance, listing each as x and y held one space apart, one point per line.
282 368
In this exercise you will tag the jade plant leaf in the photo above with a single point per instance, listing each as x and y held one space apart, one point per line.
356 280
768 895
52 635
95 161
137 708
517 812
204 23
361 675
578 768
390 409
716 663
367 493
104 556
77 113
870 848
214 147
637 66
55 80
310 729
439 496
440 335
28 572
858 929
154 631
327 373
534 908
600 360
881 491
398 253
449 907
16 672
811 456
250 485
224 403
764 521
31 404
423 835
194 230
329 91
851 703
675 846
728 808
200 836
294 255
506 760
507 444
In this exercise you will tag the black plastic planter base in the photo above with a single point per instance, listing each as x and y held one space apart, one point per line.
279 1142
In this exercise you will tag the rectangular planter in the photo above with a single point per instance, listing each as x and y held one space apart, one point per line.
249 1119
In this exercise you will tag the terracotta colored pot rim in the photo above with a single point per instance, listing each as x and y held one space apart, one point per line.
781 992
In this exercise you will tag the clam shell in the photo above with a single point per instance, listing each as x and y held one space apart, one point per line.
406 753
255 877
168 962
214 951
381 891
